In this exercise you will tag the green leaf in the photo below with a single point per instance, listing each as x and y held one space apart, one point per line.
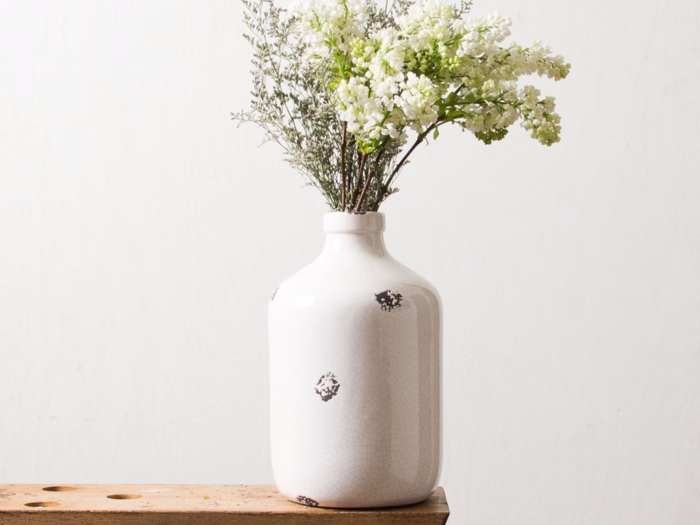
451 99
436 133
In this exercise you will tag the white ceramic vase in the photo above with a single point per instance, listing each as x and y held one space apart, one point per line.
355 368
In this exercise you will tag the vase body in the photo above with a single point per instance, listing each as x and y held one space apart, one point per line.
355 375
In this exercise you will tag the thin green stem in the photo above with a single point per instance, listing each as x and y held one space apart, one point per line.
360 172
372 172
421 138
342 165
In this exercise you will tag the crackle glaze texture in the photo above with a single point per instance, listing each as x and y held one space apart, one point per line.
355 368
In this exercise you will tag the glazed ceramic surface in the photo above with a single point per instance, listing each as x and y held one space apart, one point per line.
355 367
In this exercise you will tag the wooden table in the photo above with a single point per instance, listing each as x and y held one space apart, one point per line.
192 504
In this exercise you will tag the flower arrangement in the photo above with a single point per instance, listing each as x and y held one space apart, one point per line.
350 89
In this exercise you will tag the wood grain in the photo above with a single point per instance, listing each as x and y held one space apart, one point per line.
192 504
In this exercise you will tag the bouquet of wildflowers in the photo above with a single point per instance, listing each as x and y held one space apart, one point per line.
350 89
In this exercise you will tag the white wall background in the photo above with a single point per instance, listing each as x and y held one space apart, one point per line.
141 234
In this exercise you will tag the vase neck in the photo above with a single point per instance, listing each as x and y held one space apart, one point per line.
348 232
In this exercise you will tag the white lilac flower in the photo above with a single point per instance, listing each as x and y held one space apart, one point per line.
539 117
427 23
327 25
433 67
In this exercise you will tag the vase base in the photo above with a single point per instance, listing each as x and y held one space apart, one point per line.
357 505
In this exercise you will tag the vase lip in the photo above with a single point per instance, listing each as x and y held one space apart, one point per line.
345 222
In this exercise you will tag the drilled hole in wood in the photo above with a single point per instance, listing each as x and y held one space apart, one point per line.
42 504
60 488
124 496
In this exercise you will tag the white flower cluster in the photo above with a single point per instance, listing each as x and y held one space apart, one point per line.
330 27
433 68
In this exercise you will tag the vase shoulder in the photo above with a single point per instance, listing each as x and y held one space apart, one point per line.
329 284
